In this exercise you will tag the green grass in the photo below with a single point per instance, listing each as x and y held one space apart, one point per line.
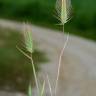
15 68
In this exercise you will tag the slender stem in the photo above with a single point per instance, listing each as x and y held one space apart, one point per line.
25 54
60 58
49 85
34 72
63 30
43 89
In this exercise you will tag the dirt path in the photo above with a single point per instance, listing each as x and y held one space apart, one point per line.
78 70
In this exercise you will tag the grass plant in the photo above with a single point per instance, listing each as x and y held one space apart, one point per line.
63 10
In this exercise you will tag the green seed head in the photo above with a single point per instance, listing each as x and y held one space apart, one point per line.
28 39
63 8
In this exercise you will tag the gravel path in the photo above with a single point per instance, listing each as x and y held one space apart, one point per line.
78 69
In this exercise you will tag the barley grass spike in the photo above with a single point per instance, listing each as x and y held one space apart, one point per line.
28 40
63 10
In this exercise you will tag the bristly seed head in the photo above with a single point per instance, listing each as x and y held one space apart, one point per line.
63 9
28 38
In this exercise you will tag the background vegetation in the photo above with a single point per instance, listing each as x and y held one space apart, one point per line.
41 12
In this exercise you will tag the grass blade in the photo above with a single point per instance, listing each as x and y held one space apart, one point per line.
43 88
30 90
25 54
